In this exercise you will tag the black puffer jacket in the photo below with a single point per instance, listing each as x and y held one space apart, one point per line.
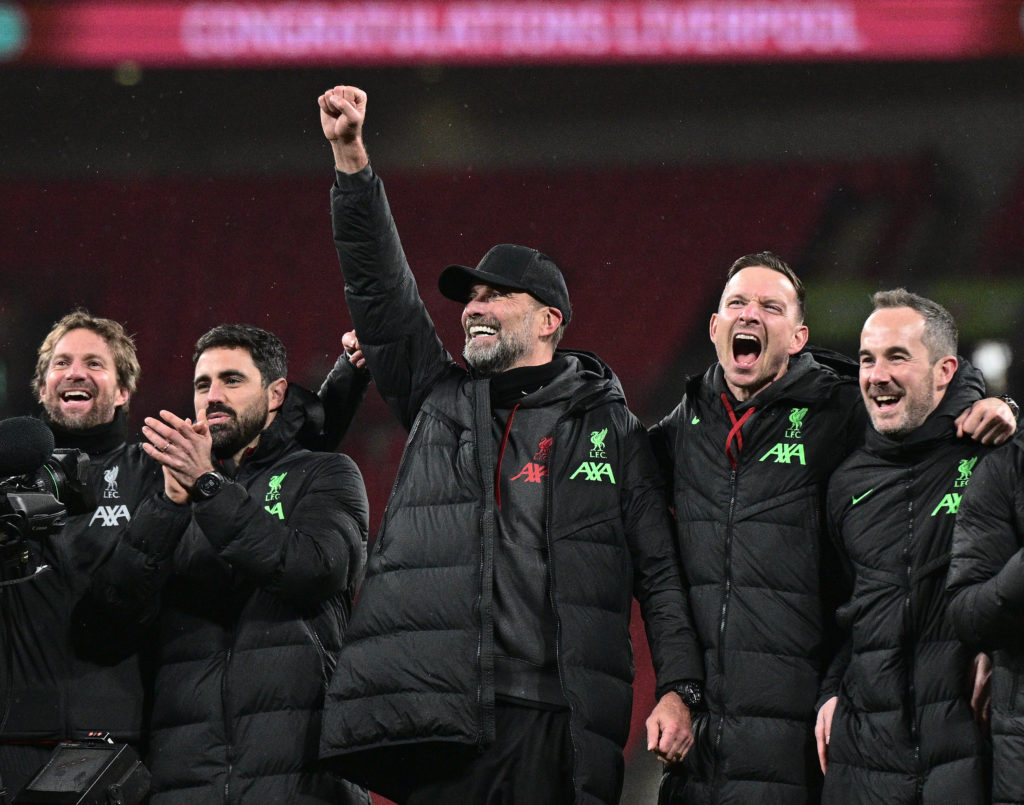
72 670
903 731
417 667
751 539
250 623
986 582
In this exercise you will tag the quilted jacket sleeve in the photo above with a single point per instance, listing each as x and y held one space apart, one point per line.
657 582
395 331
313 554
986 571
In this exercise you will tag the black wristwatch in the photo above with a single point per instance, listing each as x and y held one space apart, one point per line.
692 694
1014 408
207 485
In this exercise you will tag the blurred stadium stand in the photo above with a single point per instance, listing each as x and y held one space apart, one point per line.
177 199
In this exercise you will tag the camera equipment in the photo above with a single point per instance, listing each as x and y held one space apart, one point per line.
25 443
96 771
34 502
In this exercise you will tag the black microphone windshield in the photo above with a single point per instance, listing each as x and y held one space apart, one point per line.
25 444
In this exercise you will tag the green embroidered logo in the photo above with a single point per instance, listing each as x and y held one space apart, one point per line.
274 494
858 498
595 471
965 469
274 487
796 422
695 420
786 453
950 502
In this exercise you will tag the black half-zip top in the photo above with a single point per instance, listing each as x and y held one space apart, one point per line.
526 405
736 431
508 389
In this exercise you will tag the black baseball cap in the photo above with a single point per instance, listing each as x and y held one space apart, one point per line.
509 266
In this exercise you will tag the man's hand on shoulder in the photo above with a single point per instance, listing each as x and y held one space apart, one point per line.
988 421
342 111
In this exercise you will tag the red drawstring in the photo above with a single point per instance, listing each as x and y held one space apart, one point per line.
501 454
735 432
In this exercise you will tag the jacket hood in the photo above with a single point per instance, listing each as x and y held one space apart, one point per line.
806 379
300 414
842 365
594 381
966 388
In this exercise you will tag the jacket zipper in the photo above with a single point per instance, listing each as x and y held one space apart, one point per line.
326 670
481 416
726 594
228 731
548 492
911 648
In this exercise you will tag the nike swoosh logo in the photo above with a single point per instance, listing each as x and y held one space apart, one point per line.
857 500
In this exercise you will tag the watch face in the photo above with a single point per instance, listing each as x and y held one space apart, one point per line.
691 694
208 484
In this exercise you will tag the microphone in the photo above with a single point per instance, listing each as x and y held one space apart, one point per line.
25 444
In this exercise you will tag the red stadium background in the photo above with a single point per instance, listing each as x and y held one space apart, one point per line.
174 188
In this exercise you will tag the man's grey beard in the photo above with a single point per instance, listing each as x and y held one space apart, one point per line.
505 353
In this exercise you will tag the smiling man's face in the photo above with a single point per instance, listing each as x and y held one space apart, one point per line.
81 389
503 329
756 329
228 387
900 381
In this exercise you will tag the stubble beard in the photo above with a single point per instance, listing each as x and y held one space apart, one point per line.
917 410
101 412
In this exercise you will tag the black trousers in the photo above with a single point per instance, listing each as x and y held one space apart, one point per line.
530 763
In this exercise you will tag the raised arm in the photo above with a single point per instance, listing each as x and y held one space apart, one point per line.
342 111
397 336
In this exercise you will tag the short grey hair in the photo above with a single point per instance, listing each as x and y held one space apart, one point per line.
940 333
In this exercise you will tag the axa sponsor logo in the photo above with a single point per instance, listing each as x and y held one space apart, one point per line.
786 453
533 471
594 471
597 471
950 504
110 515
